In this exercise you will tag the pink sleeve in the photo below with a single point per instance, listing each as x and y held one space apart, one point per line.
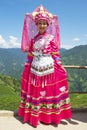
30 54
55 52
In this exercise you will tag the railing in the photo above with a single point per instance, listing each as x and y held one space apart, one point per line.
75 67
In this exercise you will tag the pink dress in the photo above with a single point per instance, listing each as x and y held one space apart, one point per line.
44 88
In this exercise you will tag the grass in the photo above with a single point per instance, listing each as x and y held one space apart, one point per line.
9 99
78 100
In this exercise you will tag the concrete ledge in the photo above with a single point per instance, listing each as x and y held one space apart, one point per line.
8 113
15 113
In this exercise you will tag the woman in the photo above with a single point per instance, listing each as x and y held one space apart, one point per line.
44 89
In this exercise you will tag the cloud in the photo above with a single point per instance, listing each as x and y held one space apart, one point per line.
67 46
11 43
76 39
14 42
2 39
2 42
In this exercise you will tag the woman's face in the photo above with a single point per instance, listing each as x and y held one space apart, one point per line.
42 26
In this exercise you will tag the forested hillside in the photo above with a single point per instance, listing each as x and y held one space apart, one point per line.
11 62
75 56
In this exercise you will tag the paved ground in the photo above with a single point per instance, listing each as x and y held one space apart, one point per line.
10 122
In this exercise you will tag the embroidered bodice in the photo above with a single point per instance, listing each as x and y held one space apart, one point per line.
42 63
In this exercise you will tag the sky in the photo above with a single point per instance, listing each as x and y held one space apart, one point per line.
72 15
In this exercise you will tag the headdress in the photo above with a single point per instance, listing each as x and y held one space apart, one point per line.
30 28
42 13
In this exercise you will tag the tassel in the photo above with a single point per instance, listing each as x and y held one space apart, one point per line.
43 82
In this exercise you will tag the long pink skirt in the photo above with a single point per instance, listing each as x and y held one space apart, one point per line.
44 98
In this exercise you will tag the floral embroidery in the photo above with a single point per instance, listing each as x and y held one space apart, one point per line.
62 89
43 93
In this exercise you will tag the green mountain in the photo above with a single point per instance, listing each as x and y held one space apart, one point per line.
11 62
75 56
